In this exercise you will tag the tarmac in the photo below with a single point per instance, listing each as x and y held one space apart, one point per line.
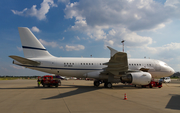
80 96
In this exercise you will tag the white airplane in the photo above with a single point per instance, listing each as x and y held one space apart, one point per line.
116 69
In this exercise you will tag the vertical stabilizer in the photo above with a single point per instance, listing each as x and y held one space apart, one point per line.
32 48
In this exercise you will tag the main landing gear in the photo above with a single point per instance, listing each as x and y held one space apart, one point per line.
96 83
106 84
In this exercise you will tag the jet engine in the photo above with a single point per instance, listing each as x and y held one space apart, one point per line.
137 78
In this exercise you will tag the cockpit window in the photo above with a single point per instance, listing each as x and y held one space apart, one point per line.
163 63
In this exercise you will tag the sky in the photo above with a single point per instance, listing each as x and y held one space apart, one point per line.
81 28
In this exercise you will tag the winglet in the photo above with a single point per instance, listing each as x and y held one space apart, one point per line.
113 51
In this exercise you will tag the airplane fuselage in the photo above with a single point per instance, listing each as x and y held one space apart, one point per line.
78 67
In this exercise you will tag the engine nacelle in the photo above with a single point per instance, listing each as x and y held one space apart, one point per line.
137 78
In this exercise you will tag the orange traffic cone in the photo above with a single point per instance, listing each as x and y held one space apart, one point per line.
125 97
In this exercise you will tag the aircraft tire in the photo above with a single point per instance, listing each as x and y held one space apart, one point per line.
109 85
96 83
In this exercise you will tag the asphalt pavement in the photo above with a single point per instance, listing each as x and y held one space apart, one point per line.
80 96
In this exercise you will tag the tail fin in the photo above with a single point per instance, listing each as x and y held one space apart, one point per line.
32 48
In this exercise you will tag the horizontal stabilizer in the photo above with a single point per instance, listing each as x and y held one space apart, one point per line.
24 60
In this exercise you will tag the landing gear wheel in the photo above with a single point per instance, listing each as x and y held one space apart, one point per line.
96 83
108 85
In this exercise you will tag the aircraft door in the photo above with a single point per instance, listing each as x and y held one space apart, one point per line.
157 65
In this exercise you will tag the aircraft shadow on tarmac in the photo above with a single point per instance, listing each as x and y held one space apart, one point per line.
174 102
79 90
84 89
76 86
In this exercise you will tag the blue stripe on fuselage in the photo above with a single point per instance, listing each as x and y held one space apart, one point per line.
26 47
56 68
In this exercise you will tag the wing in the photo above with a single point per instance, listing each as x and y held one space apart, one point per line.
24 60
117 64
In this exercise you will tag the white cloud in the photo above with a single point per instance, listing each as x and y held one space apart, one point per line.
38 13
67 47
120 20
78 38
35 29
17 67
4 69
64 1
61 47
132 39
52 44
172 3
76 47
93 32
19 48
109 43
134 15
167 53
19 12
61 39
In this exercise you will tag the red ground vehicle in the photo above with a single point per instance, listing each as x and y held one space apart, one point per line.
49 80
154 84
